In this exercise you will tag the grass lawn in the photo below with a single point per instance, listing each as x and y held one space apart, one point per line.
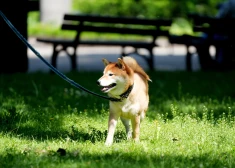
46 122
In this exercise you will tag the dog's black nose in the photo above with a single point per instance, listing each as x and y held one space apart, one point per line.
98 83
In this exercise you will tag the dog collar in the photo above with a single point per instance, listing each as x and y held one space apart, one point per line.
123 95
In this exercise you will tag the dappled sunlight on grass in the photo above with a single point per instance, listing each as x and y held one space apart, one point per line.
190 122
194 106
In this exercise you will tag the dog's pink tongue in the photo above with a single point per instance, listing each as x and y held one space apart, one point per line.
104 89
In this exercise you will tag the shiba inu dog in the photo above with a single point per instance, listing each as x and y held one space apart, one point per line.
126 83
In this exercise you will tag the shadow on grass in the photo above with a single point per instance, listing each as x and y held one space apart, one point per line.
18 124
137 159
42 125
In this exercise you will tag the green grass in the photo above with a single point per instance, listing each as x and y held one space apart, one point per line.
190 122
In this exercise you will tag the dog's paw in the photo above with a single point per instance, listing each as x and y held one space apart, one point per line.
108 144
129 135
136 139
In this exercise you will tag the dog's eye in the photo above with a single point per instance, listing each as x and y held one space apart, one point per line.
110 74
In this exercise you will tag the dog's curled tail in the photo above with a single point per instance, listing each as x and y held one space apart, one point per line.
132 63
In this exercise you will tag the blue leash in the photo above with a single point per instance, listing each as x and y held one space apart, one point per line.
49 65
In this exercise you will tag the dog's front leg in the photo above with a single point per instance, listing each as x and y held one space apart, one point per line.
135 121
113 118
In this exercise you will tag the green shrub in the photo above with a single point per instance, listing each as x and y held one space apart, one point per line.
146 8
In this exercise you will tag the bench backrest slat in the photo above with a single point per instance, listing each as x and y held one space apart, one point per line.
121 20
106 29
121 25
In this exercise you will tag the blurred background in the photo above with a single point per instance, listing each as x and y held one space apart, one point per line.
42 18
46 20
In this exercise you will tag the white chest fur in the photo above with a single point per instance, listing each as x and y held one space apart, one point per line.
126 109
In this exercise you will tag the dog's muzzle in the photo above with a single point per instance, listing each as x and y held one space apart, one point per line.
106 88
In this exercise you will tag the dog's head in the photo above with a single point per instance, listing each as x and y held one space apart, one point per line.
117 77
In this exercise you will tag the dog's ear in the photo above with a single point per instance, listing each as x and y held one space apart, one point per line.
121 64
106 62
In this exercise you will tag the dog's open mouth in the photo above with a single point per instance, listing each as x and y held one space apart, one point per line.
106 88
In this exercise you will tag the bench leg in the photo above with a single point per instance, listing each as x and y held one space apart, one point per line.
123 52
72 57
150 60
188 60
54 57
74 60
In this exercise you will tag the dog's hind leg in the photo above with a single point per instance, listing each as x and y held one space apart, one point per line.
126 123
135 122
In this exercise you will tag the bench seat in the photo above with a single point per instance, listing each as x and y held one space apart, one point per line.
138 44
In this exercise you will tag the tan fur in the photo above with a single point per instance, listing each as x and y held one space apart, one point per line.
124 73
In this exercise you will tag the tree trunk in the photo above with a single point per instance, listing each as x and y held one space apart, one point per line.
13 56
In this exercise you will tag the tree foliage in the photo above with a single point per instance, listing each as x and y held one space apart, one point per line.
147 8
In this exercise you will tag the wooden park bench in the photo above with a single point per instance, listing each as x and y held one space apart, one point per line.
152 28
218 32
